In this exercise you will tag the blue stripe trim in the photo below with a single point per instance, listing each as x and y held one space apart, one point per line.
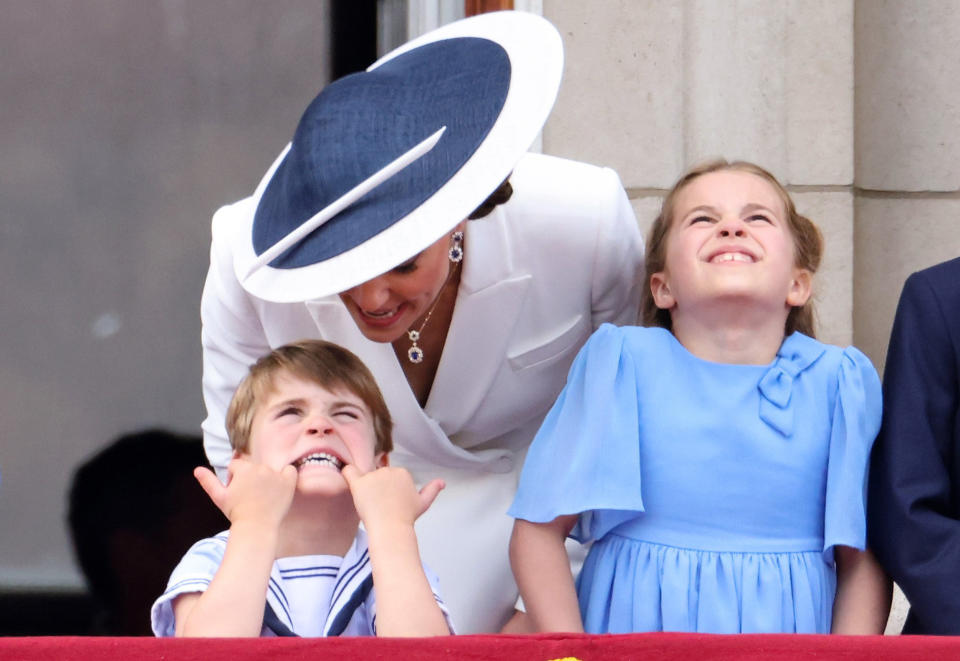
318 567
272 622
281 598
345 614
329 574
341 585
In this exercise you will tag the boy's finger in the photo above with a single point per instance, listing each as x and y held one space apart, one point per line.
429 493
289 472
350 473
209 482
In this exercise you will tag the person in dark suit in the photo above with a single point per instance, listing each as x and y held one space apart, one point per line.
914 505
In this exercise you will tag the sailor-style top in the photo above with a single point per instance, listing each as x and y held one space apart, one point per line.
313 595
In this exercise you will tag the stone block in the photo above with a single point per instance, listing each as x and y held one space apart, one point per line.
734 96
907 102
621 102
898 612
651 88
771 82
819 92
895 236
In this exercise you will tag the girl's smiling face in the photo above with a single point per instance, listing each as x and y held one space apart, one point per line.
729 242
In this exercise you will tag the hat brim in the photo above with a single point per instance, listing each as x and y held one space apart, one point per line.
535 52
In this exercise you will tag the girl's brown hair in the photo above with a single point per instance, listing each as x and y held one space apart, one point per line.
807 240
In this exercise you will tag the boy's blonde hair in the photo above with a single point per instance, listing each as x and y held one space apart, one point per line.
328 365
807 242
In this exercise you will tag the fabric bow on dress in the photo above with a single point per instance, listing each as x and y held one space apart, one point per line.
797 353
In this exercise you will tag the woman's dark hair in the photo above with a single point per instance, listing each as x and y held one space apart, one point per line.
499 196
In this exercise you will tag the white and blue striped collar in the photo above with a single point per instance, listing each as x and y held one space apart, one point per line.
353 584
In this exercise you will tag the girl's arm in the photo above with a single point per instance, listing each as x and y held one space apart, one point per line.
863 596
542 569
255 500
388 504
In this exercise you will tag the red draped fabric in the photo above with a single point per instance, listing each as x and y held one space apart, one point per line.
659 646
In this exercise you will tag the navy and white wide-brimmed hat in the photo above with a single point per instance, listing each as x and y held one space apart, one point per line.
386 161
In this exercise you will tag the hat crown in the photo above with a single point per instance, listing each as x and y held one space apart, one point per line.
361 122
481 94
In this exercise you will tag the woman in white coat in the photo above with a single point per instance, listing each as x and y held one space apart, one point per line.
468 325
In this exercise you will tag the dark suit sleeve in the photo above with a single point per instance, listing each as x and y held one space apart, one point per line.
913 524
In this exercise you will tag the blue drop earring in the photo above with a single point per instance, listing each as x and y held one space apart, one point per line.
456 247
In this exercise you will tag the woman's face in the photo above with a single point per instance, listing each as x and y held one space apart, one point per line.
385 308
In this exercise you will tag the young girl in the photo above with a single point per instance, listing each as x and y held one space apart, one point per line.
717 458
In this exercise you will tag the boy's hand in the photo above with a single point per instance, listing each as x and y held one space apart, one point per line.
256 498
388 495
254 492
388 504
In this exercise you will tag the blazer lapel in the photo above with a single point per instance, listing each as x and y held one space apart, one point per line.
488 305
475 350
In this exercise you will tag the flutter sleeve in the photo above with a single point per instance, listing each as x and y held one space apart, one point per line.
586 457
856 421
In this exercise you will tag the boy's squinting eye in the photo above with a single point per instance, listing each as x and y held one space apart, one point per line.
701 219
289 410
760 216
349 413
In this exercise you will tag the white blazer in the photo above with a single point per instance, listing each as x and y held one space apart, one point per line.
540 273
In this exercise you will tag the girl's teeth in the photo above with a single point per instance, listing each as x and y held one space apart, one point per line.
732 257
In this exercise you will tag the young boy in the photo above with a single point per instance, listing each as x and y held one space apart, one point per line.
309 429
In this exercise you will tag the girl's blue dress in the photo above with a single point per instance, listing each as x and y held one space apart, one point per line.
714 493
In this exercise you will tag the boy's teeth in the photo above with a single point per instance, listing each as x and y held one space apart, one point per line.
319 457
